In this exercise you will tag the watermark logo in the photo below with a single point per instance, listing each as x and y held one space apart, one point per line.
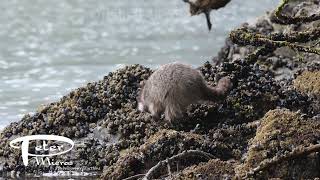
50 150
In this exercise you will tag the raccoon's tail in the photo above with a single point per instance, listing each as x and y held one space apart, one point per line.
220 91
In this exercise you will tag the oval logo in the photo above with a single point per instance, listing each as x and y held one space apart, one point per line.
53 150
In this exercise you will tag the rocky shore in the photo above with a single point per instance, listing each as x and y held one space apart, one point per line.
268 127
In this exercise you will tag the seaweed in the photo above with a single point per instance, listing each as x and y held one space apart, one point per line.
285 19
269 43
283 144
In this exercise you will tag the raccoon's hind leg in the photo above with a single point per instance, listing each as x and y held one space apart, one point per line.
172 113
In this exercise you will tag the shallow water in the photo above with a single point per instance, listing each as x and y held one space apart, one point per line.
48 48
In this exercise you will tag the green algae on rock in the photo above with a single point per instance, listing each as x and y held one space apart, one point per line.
110 133
308 82
213 169
163 144
255 92
267 36
102 117
280 132
80 116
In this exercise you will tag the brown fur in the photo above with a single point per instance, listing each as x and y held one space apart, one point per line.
173 87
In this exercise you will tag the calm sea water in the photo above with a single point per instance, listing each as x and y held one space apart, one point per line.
48 48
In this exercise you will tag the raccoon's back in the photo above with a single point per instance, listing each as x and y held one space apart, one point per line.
176 82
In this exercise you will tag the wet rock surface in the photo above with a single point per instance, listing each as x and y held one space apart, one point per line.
240 132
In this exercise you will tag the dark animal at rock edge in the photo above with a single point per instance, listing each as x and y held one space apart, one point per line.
205 6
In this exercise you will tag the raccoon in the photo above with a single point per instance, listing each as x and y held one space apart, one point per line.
205 6
173 87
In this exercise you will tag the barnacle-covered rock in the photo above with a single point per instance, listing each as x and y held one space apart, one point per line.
84 113
163 144
110 133
280 132
131 126
308 82
213 169
255 92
